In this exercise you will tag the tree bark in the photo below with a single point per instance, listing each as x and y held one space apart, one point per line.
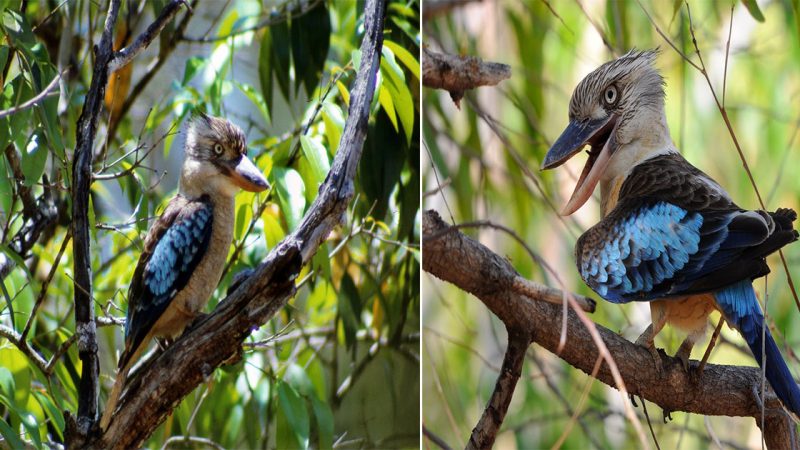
719 390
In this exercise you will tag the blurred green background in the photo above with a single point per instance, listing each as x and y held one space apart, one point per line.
337 367
550 47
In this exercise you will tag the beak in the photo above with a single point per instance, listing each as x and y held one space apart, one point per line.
247 176
595 132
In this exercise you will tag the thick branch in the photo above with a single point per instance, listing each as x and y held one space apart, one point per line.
457 74
85 326
719 390
151 397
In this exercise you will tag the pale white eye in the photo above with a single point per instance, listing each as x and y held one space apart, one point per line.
218 149
610 95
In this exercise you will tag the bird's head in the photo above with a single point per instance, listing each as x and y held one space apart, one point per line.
618 110
216 160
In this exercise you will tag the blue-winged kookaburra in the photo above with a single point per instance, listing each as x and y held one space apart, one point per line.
186 248
670 235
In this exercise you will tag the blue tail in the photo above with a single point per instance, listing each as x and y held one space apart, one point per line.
740 306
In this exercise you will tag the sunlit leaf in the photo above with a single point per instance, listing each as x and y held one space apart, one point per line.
291 194
294 409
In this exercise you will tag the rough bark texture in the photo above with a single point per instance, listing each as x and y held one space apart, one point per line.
156 390
719 390
457 74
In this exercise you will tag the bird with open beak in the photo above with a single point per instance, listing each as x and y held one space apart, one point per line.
670 235
186 248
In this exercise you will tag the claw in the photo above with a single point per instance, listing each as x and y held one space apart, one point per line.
646 341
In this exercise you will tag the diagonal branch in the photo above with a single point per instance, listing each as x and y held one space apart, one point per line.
209 343
718 390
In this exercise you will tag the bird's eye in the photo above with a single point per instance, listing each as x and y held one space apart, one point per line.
218 149
610 96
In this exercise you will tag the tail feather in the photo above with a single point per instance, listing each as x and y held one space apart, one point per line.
740 306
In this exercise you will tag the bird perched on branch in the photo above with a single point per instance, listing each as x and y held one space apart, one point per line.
186 248
670 235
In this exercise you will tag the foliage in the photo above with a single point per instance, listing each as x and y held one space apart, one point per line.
340 364
486 158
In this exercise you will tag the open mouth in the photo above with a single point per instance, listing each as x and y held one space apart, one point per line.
598 134
596 142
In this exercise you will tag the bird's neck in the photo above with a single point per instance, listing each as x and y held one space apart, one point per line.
635 146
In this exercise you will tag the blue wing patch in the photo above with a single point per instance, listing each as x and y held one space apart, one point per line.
658 249
178 252
639 252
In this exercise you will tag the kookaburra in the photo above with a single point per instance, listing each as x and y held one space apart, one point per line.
186 248
670 235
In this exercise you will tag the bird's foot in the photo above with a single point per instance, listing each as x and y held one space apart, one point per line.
164 343
645 342
683 354
198 318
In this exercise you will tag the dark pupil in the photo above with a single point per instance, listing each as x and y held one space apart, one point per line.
609 95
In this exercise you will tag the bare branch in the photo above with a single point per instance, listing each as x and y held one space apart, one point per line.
46 92
457 74
124 56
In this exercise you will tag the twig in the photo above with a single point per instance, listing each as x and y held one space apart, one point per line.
267 22
458 74
434 438
45 285
122 57
48 90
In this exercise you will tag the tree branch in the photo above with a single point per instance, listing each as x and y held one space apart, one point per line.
106 60
149 398
124 56
457 74
719 390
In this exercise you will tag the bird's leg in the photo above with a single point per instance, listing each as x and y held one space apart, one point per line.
647 338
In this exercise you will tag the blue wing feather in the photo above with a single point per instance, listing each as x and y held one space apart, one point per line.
659 249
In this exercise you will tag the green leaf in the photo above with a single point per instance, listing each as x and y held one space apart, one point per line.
11 437
291 195
752 7
381 163
324 419
53 413
401 97
334 124
255 98
265 68
408 60
281 56
7 385
385 99
297 378
315 25
244 213
294 408
192 67
34 158
349 305
6 190
317 157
